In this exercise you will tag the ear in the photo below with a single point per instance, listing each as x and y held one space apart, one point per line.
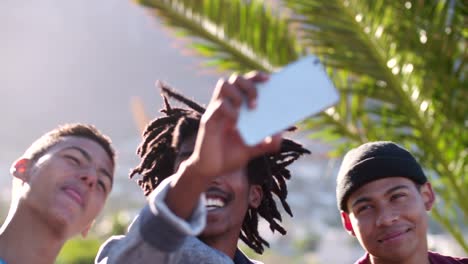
19 169
347 223
428 195
255 195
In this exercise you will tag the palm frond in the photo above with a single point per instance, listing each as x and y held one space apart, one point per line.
400 67
404 65
232 34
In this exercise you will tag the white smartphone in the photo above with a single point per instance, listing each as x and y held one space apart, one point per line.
299 90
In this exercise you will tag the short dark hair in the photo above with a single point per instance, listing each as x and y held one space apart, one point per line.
161 142
51 138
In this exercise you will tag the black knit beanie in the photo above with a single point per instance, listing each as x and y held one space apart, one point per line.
373 161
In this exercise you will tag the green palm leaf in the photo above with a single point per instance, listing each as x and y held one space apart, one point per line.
400 67
408 92
232 34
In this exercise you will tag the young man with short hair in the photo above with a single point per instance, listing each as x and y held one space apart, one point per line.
218 189
384 196
60 184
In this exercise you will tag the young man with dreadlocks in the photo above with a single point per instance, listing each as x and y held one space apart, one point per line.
218 189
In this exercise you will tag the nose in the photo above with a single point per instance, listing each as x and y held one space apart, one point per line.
89 177
216 180
387 217
225 177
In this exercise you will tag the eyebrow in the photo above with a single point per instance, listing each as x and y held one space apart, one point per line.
398 187
367 199
89 159
360 200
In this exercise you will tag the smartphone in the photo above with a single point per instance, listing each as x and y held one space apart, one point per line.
297 91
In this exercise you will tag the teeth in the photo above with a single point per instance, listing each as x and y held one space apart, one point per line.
213 203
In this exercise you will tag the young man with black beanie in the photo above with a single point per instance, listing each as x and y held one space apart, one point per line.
383 195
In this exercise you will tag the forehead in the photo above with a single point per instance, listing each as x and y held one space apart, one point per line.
379 187
95 151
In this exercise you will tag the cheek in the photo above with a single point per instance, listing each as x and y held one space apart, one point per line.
239 182
42 180
97 203
414 211
47 173
362 227
100 201
242 197
420 217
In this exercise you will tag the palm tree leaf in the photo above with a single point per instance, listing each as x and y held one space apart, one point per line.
349 35
236 35
400 67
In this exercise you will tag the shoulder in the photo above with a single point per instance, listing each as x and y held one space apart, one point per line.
437 258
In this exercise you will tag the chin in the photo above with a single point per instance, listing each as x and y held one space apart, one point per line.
393 254
61 221
212 230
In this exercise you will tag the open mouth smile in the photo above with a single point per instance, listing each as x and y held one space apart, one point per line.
214 203
216 198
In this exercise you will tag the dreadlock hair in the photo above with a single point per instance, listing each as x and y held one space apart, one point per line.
158 151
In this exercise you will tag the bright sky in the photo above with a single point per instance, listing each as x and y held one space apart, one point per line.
69 61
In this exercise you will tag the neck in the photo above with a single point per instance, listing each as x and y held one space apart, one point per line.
422 258
227 243
27 238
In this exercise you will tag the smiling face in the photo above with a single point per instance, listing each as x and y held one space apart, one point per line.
228 198
389 218
68 185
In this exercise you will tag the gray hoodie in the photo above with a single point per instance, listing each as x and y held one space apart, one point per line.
159 236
